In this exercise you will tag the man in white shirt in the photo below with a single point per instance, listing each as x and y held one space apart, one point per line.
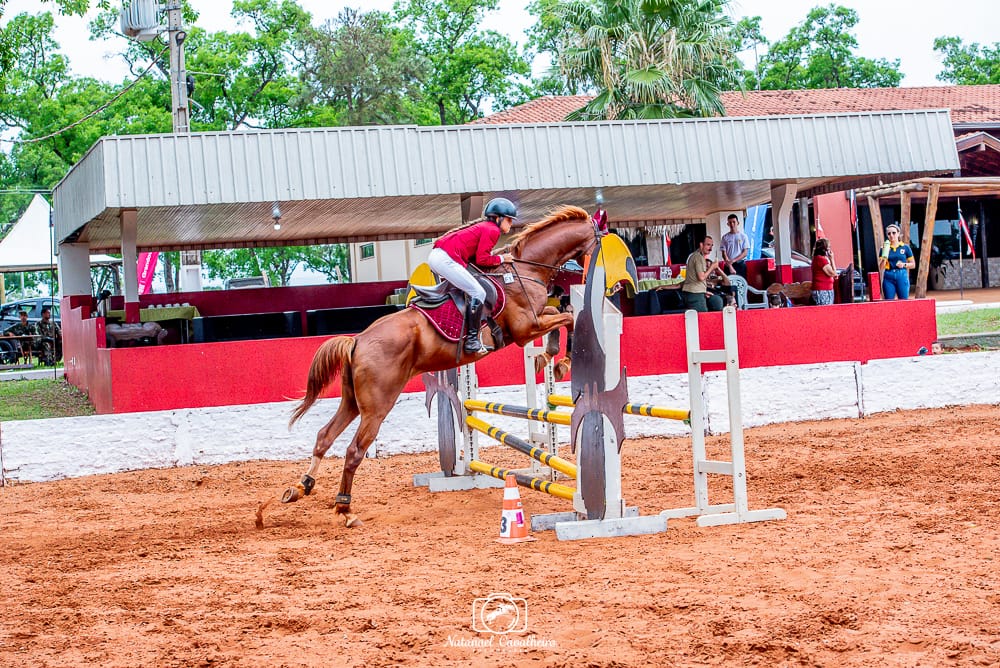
735 246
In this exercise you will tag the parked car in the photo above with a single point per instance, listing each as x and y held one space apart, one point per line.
9 311
261 281
798 259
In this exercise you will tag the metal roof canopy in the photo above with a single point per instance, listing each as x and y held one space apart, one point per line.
216 190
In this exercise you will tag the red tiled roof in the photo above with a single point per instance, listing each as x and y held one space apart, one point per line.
548 109
968 104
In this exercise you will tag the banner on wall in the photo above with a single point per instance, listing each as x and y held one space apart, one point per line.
146 270
753 226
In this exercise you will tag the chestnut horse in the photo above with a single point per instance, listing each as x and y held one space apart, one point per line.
376 364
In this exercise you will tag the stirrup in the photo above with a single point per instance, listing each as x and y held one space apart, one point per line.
472 344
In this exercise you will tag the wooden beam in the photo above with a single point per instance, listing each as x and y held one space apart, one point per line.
878 232
927 241
892 189
904 216
983 180
977 183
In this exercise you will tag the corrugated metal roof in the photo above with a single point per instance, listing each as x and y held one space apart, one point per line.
334 184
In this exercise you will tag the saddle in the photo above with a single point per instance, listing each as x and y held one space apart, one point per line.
444 306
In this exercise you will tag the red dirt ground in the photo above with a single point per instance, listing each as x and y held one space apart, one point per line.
889 557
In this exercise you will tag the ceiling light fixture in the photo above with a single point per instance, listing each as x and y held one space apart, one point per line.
276 215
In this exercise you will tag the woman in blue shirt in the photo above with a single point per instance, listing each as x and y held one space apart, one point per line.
896 260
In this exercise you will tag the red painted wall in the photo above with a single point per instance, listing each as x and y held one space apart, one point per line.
268 300
246 372
86 360
834 211
778 337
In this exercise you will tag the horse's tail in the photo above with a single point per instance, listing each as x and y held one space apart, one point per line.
333 356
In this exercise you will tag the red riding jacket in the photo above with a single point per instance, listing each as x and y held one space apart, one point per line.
472 244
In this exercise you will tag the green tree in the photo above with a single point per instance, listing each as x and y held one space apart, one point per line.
240 79
55 117
8 50
746 35
361 69
819 53
643 58
277 263
333 261
467 67
968 65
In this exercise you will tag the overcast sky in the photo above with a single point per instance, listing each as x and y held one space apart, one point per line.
904 30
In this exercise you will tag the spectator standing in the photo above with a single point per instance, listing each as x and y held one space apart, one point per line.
694 289
824 272
896 260
735 247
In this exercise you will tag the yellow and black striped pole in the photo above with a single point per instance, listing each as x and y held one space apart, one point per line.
648 410
536 414
550 460
553 488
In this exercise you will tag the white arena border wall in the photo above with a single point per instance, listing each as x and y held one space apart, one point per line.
51 449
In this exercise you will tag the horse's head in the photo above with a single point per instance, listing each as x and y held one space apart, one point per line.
565 234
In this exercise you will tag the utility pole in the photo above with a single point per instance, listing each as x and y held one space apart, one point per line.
178 73
190 269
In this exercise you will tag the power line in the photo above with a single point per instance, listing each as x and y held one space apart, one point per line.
91 114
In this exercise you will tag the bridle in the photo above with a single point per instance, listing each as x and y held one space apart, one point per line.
553 270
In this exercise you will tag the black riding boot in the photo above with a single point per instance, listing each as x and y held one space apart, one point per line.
473 321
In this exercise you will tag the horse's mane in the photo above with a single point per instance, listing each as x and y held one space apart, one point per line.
560 215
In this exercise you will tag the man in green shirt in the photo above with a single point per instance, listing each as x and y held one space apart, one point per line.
23 328
50 347
694 290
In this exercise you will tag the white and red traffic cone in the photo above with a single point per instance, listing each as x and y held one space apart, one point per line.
513 523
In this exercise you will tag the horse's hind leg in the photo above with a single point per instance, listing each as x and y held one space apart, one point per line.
363 438
325 437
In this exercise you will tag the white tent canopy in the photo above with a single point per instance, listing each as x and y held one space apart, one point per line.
28 245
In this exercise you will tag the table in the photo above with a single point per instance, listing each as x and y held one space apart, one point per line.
660 284
183 313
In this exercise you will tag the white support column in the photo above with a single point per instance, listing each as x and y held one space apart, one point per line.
782 198
190 274
715 227
130 259
74 270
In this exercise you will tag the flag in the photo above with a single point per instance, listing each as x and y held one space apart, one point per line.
147 268
820 232
965 232
854 210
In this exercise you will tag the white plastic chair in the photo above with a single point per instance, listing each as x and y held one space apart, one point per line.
743 290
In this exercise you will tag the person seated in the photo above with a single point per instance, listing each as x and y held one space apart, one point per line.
694 291
49 347
23 328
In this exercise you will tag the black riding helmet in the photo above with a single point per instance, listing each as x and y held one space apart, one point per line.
499 207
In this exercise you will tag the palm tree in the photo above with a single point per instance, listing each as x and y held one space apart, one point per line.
646 58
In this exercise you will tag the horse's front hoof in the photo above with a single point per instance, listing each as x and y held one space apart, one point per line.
293 494
352 521
561 369
541 361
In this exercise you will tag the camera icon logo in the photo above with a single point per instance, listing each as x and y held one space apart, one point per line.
500 613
